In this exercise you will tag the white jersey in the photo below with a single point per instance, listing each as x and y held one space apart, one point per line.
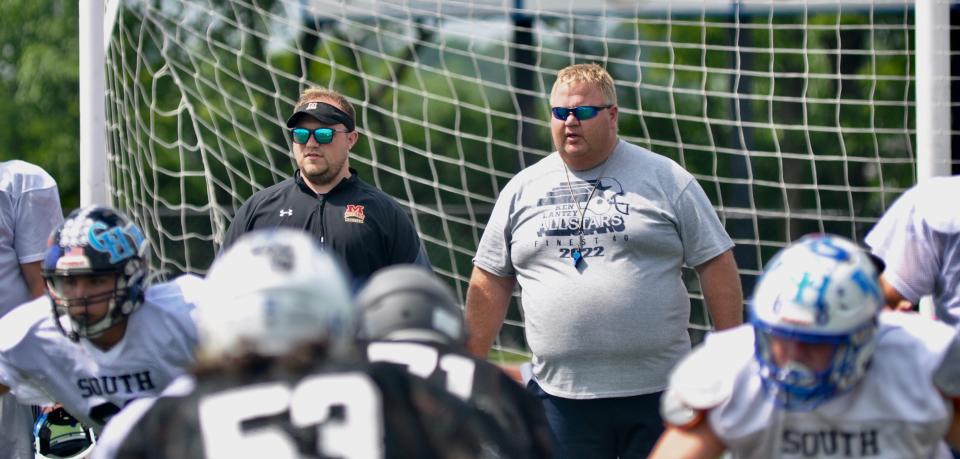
41 365
29 211
894 412
919 240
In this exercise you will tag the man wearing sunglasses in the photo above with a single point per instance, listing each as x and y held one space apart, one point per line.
364 226
596 235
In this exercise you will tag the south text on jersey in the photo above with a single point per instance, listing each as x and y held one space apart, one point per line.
132 383
830 443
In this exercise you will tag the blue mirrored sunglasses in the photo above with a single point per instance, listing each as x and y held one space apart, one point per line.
321 135
583 112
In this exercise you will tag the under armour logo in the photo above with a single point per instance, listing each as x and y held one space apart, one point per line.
286 213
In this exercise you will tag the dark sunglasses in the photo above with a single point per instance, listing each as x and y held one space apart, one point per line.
321 135
583 112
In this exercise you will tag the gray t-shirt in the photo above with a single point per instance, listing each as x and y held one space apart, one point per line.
29 211
618 325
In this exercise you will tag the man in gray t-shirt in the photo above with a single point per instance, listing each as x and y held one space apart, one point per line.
596 234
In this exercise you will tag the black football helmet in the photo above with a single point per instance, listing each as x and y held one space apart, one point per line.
58 435
407 302
97 240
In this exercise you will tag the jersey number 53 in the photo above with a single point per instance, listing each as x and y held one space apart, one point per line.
358 433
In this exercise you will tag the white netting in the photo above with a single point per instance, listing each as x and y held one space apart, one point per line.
795 116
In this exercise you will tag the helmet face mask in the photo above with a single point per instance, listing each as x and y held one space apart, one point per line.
819 299
798 384
92 244
86 300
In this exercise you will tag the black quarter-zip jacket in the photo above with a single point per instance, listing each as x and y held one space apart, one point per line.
363 225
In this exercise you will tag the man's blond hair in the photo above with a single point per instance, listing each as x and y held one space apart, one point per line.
592 74
324 94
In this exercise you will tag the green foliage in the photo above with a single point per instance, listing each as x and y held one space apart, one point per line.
39 78
796 121
199 99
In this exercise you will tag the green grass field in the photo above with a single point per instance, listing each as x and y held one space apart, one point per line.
501 357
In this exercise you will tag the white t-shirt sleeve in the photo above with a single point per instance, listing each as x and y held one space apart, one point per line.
907 246
39 214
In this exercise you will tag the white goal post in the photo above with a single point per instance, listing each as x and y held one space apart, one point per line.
795 116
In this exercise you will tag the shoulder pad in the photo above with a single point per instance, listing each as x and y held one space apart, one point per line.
185 288
700 382
191 287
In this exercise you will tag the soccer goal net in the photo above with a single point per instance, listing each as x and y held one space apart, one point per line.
795 116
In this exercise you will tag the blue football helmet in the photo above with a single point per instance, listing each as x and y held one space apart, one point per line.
822 289
97 240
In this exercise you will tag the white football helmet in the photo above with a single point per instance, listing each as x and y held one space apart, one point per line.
271 291
822 289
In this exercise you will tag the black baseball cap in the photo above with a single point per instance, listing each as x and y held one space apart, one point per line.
323 112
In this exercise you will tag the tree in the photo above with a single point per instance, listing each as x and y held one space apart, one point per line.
39 77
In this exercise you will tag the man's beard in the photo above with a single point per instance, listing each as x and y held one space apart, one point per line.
326 176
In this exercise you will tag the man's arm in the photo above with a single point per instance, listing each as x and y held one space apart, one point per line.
722 291
488 298
33 275
698 441
893 298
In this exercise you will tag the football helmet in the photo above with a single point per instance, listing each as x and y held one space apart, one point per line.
96 240
822 289
271 291
407 302
57 435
